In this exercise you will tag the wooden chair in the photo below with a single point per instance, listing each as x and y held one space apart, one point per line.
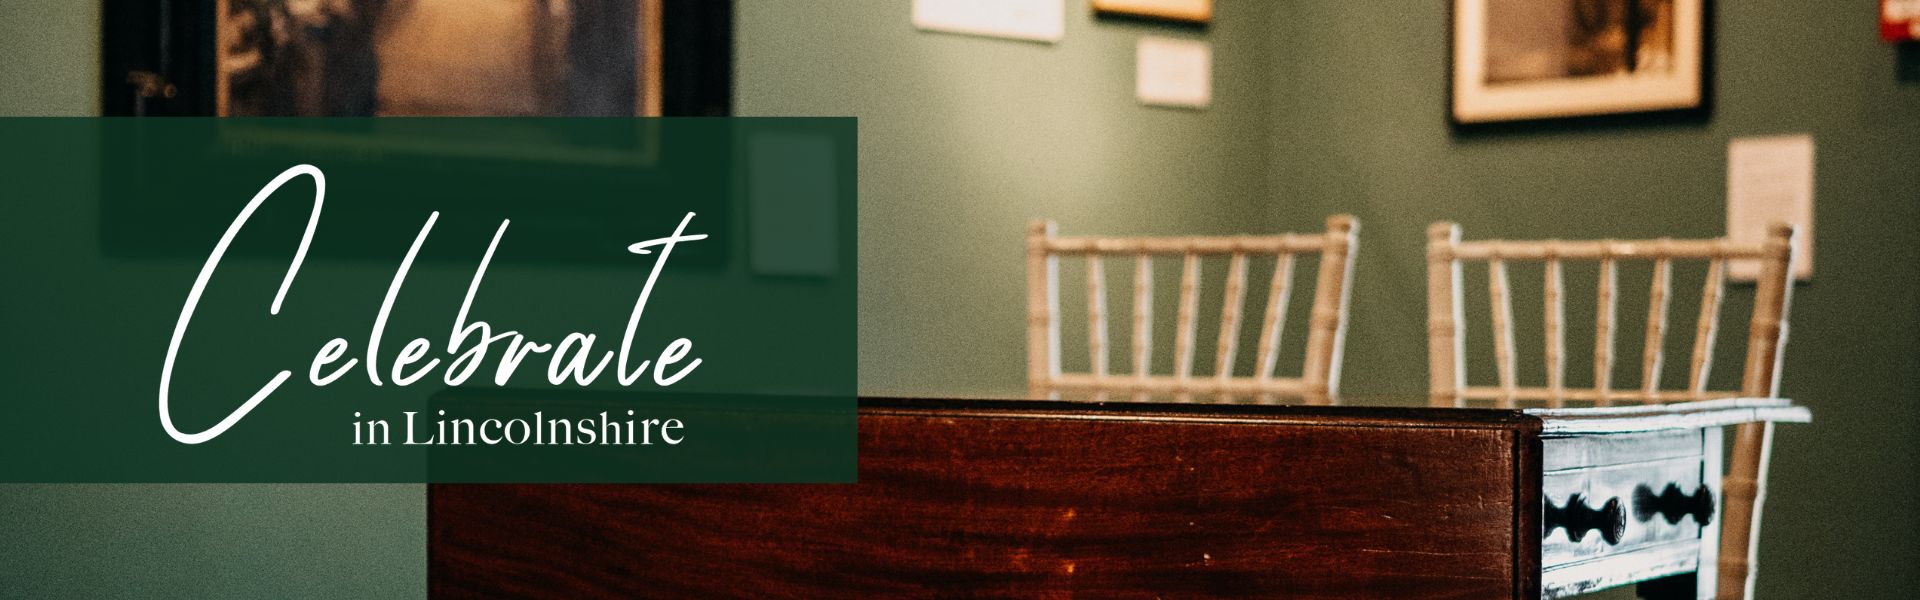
1745 480
1319 382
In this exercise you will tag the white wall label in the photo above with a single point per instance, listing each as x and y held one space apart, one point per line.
1770 180
1038 20
1174 72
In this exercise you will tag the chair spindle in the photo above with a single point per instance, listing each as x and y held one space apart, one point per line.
1184 338
1326 323
1654 352
1279 295
1097 318
1709 327
1502 306
1556 336
1605 310
1104 380
1043 303
1746 480
1744 486
1230 320
1447 375
1142 319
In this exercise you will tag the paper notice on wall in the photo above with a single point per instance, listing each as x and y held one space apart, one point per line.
1174 72
1770 180
1038 20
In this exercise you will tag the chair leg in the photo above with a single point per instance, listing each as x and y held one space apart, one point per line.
1746 491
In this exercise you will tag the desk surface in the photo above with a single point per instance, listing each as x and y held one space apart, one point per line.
1026 498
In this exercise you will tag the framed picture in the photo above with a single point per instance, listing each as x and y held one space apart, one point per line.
1186 11
446 57
418 58
381 58
1518 60
1900 21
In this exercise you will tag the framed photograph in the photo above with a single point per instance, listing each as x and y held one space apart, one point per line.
400 58
433 58
418 58
1199 12
1518 60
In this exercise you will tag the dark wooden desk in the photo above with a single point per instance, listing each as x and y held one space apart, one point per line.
1019 498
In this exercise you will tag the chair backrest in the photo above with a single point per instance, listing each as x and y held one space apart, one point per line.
1744 485
1767 329
1320 376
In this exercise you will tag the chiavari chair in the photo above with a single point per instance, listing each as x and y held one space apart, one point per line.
1745 479
1319 380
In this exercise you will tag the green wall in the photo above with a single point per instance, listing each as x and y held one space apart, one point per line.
1359 125
964 139
52 64
1320 106
184 541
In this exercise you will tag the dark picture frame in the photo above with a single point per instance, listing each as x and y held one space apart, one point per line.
164 58
1564 60
1189 12
160 59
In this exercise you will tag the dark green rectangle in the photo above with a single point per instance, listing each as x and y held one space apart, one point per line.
109 223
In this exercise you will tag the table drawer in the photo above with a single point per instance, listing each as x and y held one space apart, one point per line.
1633 497
1641 503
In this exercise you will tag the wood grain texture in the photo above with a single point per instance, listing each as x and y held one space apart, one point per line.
1037 499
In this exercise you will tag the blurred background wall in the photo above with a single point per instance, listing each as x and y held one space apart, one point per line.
1320 106
964 139
1359 126
180 541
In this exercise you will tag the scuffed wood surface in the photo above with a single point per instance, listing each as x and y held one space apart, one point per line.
1047 499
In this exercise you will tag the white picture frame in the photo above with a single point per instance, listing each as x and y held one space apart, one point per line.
1521 60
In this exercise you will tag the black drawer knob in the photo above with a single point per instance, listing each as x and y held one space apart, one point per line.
1578 518
1673 504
